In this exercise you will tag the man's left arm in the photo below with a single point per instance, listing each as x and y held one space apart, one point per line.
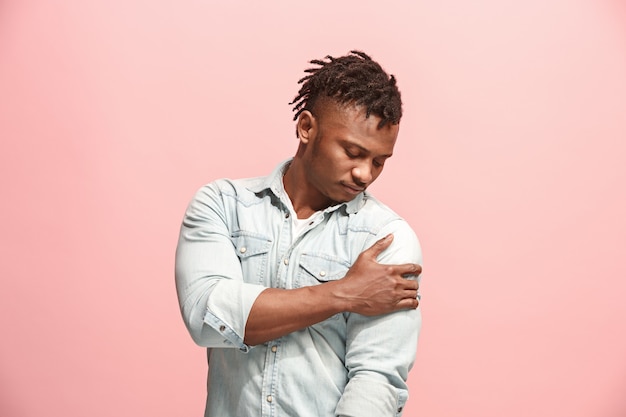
381 350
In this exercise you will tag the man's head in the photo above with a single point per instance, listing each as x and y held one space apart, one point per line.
348 113
351 79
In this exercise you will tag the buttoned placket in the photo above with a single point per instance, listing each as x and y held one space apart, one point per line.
283 272
270 371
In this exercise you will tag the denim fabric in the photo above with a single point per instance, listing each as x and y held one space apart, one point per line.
235 241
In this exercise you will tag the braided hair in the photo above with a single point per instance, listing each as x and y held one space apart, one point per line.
351 79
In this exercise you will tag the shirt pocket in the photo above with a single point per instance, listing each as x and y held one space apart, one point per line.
252 249
318 268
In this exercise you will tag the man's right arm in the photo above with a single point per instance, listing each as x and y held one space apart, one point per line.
369 288
221 310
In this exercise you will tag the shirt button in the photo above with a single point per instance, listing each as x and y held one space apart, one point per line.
269 398
322 273
222 328
274 348
399 409
243 249
311 223
286 215
286 261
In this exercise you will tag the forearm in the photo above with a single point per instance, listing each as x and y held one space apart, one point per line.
277 312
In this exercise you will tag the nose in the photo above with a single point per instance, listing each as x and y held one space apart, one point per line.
362 174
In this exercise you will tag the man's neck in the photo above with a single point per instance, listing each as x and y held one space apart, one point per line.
305 198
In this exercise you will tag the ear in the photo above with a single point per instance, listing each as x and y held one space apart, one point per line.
306 127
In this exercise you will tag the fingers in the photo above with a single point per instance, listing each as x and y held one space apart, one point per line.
408 269
382 244
409 285
408 304
378 247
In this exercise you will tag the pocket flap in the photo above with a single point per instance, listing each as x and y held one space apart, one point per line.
250 244
324 267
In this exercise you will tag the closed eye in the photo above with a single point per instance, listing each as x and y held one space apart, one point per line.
352 155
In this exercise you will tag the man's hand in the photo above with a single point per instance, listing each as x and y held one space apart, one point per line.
372 289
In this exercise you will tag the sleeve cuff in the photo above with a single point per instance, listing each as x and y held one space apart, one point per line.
228 309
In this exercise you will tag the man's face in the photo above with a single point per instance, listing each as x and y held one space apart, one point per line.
345 151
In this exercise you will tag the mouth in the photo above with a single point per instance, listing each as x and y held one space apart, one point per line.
352 189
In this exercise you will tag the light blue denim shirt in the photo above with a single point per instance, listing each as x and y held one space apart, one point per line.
235 241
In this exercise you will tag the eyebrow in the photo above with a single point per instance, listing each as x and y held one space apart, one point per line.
346 142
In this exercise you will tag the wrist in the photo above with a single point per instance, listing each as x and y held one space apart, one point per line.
335 296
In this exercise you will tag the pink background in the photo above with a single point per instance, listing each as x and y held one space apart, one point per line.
510 166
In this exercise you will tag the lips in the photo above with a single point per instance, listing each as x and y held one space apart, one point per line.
352 189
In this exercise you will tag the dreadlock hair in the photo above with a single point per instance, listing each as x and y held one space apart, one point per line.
351 79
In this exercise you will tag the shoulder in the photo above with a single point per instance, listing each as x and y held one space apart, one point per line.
381 221
223 195
226 187
374 215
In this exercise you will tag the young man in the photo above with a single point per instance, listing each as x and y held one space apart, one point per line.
303 286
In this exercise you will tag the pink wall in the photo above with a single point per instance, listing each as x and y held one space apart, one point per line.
510 166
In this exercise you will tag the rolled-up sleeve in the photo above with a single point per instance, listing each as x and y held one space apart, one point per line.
214 299
381 350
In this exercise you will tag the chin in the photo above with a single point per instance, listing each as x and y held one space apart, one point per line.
346 198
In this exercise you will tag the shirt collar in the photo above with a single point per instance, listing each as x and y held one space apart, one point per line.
274 183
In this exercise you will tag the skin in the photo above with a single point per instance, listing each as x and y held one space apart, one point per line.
341 153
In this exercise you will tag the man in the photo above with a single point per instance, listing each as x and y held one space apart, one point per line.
303 286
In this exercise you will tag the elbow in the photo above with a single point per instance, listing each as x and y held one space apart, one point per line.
195 330
201 334
197 338
193 317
